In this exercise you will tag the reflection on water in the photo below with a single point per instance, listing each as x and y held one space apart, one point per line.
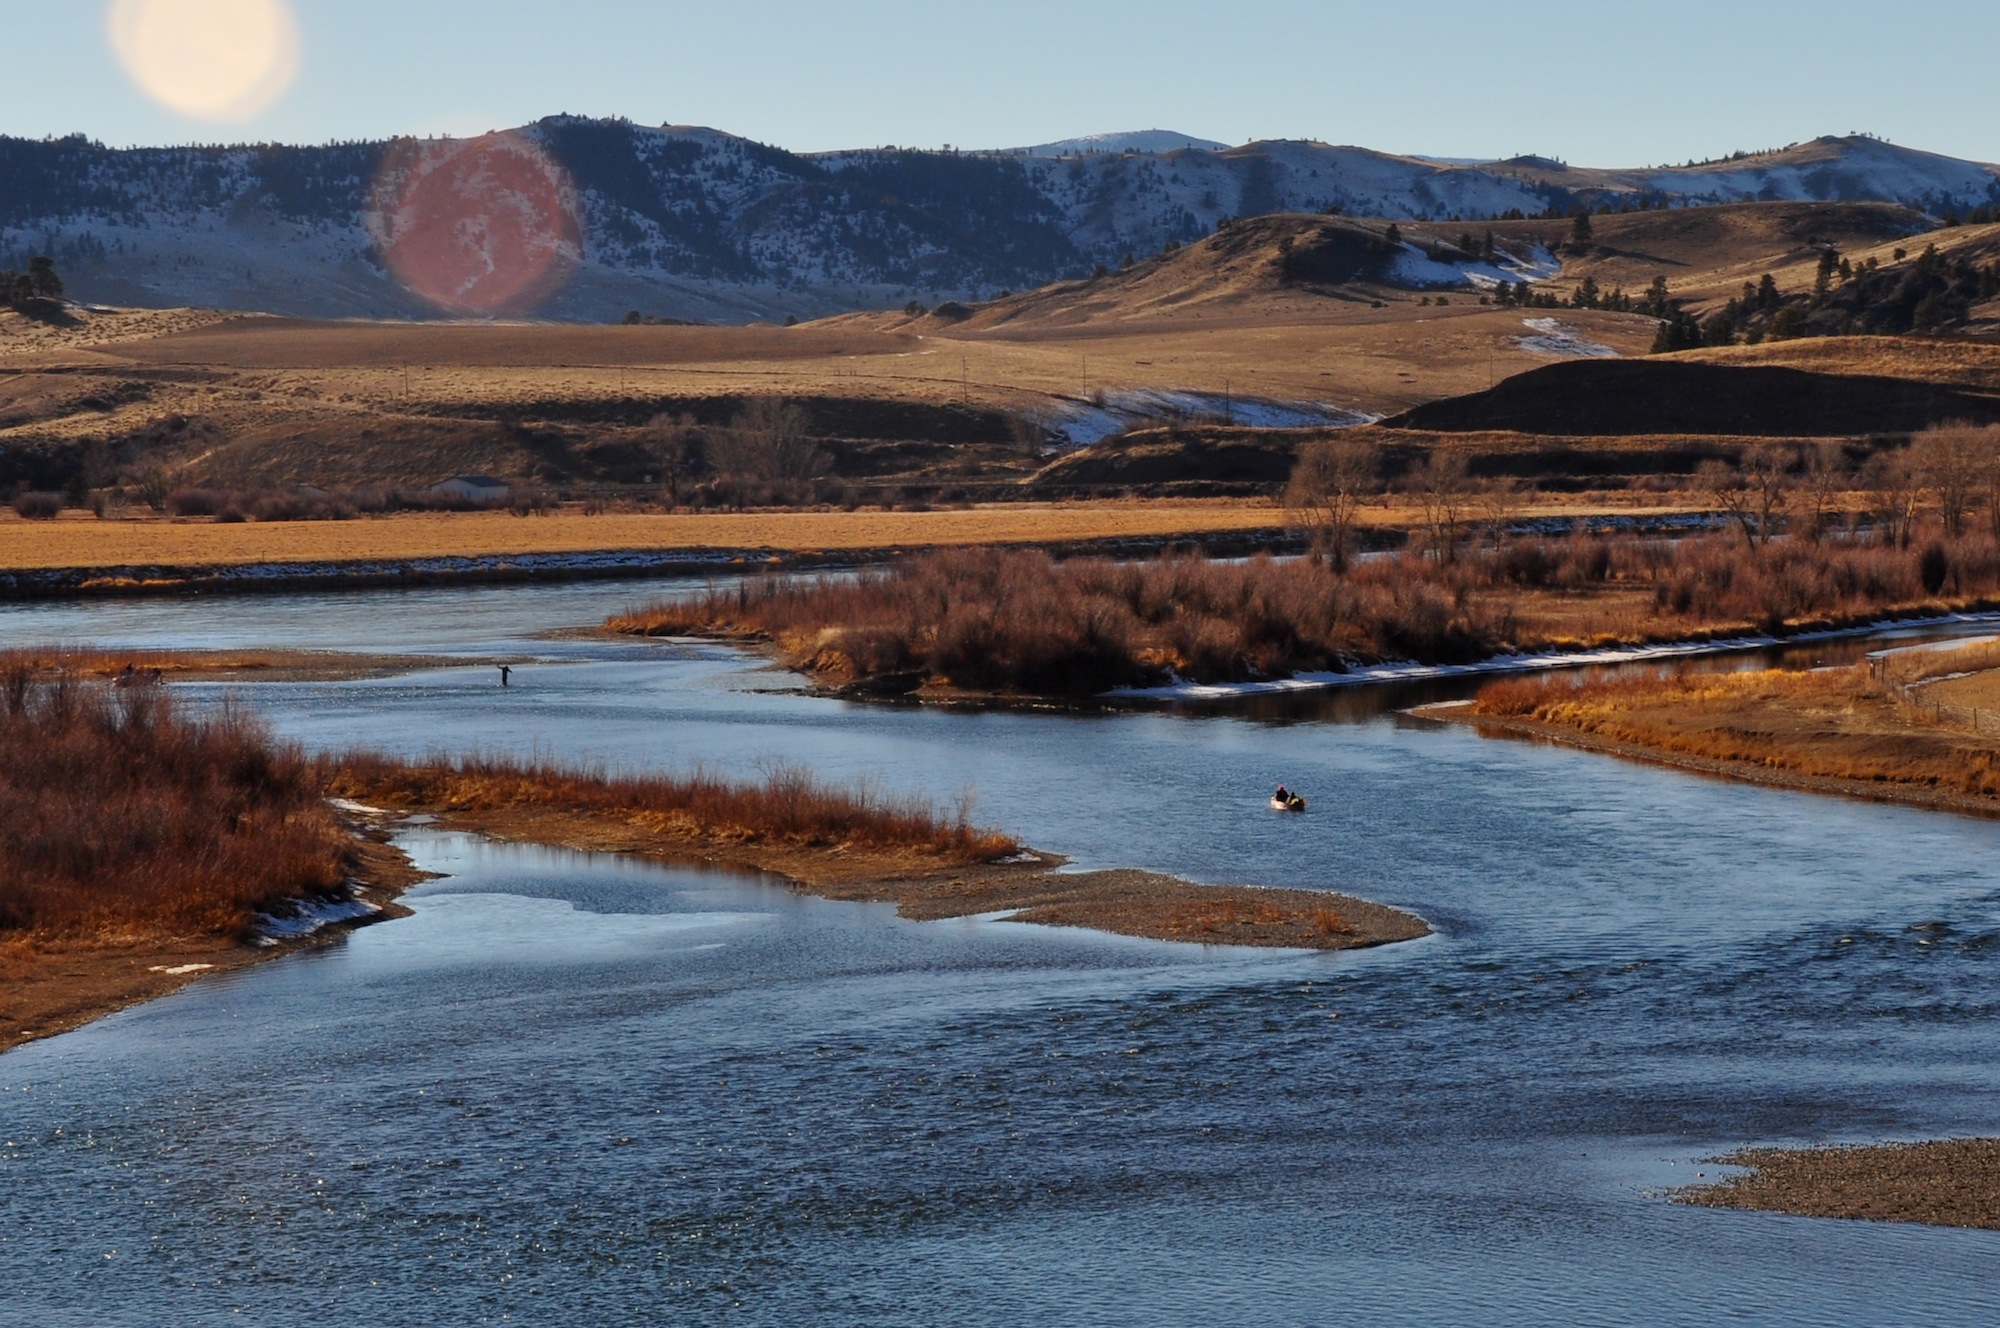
593 1091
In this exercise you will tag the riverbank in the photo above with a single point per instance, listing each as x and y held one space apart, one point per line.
1950 1182
927 878
1838 731
54 984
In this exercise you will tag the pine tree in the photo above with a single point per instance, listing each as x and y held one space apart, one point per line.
1659 303
42 277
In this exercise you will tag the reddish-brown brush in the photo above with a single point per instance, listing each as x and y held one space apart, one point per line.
992 620
789 808
121 815
986 619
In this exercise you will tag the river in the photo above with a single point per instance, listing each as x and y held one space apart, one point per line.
581 1090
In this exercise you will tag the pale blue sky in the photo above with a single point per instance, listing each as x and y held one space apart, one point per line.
1606 83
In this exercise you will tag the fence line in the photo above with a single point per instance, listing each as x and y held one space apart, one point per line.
1909 699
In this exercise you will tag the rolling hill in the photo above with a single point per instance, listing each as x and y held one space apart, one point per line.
694 223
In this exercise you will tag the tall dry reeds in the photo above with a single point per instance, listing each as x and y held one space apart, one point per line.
120 816
789 807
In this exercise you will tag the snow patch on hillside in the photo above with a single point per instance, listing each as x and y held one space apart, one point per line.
1552 336
1415 268
1081 424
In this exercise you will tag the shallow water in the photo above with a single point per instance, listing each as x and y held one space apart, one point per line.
575 1089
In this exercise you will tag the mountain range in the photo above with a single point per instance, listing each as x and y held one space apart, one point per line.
693 223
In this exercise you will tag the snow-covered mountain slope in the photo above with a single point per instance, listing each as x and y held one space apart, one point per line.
692 222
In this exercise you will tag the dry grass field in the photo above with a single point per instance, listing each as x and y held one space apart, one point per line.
79 540
1976 691
1974 364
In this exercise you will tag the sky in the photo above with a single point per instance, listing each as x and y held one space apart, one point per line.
1610 83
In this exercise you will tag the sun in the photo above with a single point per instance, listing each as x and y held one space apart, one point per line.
207 59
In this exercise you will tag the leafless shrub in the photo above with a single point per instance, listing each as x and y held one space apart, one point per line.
38 506
1893 491
767 441
1754 492
1331 480
1443 490
1953 462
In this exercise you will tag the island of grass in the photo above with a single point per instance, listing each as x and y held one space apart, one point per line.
142 846
986 623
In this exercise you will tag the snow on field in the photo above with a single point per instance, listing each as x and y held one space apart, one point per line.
1552 336
1080 424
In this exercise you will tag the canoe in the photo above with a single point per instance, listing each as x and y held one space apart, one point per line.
1292 804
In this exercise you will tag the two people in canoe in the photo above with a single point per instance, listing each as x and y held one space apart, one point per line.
1284 800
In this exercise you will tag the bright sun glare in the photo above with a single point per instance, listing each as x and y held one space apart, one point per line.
208 59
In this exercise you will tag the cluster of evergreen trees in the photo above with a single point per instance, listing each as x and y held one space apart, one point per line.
39 282
1933 291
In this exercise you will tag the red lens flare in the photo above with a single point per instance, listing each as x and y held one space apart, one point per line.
480 226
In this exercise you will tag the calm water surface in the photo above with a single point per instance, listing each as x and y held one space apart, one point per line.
584 1091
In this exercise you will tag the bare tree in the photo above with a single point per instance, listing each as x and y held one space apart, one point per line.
1332 478
152 485
1989 465
1442 490
1500 502
1031 429
1949 461
672 441
1892 496
1753 492
1827 477
767 441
